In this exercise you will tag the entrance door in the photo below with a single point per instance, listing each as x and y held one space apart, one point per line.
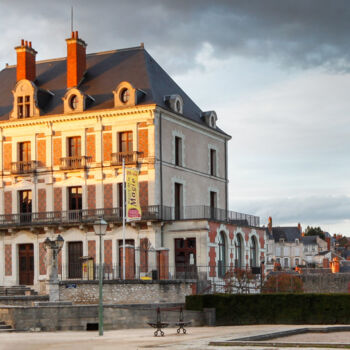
26 264
185 257
75 252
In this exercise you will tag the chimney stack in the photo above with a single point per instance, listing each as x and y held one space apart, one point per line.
300 228
269 225
26 61
76 60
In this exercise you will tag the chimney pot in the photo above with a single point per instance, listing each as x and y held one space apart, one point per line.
76 60
26 61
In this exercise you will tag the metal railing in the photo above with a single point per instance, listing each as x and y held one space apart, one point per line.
149 213
130 157
24 167
78 162
208 279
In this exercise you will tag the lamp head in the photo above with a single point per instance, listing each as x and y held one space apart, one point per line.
100 227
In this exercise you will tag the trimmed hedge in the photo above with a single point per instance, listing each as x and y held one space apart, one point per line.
238 309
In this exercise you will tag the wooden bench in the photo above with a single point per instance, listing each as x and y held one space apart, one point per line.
181 324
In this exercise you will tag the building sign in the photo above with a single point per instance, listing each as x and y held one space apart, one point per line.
133 209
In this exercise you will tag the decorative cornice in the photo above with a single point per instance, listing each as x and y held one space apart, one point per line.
62 118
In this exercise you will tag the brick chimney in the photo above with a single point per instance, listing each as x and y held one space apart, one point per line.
269 225
300 228
25 61
76 60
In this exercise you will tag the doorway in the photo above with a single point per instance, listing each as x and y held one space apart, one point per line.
26 264
75 252
185 257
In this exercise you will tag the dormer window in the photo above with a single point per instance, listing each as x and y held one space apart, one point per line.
210 118
174 102
25 100
73 102
125 95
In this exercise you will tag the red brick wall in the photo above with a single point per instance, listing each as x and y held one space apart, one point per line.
41 200
108 195
212 262
8 202
57 150
41 144
107 146
76 63
91 193
143 142
108 253
42 258
143 193
92 249
8 260
7 156
57 202
25 66
91 147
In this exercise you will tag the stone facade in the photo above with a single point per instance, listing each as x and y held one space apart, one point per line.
118 292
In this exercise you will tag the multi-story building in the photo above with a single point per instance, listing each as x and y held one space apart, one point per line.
289 247
66 124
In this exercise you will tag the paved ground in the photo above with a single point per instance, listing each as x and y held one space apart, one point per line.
132 339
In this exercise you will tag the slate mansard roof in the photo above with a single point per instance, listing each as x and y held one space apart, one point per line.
105 70
289 234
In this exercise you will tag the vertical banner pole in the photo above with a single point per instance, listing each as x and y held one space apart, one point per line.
123 218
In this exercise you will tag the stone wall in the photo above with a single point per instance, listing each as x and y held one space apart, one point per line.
23 300
326 282
128 292
78 317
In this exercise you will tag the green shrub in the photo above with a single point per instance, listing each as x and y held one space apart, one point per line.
235 309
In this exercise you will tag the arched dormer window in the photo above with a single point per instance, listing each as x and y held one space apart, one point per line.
74 101
174 102
210 118
125 95
222 255
25 103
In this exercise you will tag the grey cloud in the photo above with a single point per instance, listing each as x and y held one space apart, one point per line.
316 210
304 33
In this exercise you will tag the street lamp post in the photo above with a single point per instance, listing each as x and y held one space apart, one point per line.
100 227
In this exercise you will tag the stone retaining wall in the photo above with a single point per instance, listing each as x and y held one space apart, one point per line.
77 317
326 283
23 300
125 292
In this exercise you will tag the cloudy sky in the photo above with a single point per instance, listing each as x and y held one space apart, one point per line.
276 72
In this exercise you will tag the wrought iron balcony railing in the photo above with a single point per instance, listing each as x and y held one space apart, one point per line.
130 157
150 213
78 162
24 167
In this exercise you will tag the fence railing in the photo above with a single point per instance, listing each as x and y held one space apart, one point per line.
208 279
149 213
78 162
130 157
24 167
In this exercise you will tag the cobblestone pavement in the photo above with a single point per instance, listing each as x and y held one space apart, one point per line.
197 338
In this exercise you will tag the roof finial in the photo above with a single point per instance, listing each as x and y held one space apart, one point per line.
71 20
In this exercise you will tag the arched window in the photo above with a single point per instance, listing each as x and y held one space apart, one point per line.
222 255
253 252
239 252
